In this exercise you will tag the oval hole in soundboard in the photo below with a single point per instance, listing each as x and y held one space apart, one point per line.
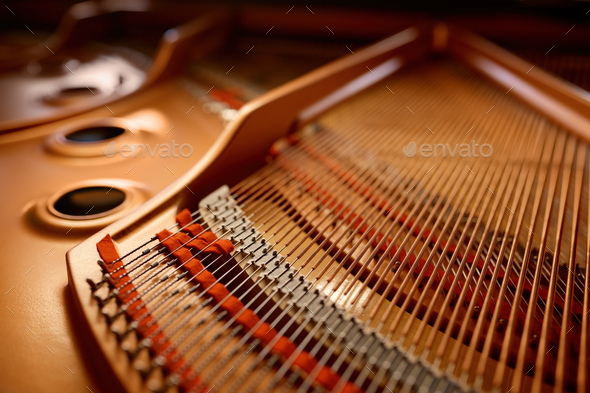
95 134
89 201
78 92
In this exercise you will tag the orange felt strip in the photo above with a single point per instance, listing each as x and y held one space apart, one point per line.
183 218
219 292
182 254
206 279
284 345
182 237
108 252
194 266
326 377
222 246
265 332
179 237
194 229
247 319
166 240
203 241
233 305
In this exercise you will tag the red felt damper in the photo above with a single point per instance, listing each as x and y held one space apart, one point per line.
108 252
184 218
208 242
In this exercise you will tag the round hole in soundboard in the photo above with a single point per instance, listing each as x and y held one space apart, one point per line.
89 201
90 137
95 134
78 92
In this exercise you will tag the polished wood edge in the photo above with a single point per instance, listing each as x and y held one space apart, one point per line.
558 100
196 38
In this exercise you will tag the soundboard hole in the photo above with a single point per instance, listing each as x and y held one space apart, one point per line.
95 134
79 92
89 201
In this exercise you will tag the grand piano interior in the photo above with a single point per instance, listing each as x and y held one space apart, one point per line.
294 126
